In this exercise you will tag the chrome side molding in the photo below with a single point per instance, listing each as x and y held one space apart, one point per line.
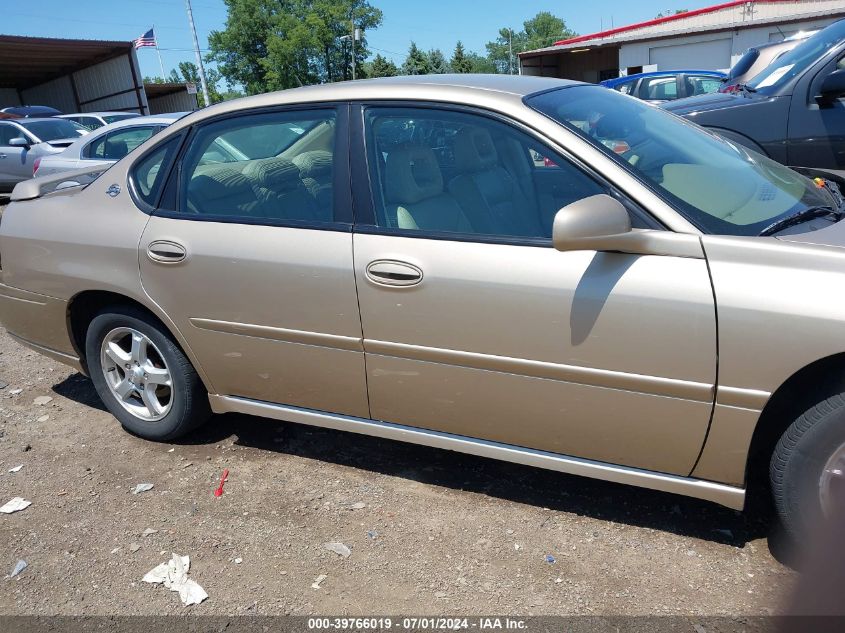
722 494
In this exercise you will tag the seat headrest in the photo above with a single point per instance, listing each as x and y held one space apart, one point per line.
474 150
314 164
116 149
276 174
412 174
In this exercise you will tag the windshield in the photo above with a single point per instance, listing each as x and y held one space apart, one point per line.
53 129
720 187
796 61
111 118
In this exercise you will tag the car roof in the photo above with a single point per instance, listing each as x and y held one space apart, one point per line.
471 90
662 73
104 113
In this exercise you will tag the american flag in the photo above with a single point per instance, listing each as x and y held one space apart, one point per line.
147 39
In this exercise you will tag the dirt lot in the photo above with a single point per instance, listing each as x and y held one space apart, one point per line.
438 532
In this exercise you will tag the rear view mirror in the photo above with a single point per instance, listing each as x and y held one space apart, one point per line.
19 141
833 86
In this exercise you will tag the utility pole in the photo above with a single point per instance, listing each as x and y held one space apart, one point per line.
203 82
354 33
510 51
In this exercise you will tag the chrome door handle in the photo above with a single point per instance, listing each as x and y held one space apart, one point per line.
388 272
166 252
2 156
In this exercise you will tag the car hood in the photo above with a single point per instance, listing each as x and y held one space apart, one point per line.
706 103
831 235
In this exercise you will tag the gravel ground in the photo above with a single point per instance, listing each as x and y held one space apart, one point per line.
430 532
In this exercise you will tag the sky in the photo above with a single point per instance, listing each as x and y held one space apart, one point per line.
430 23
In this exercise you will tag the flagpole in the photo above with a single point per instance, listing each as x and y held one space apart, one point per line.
158 52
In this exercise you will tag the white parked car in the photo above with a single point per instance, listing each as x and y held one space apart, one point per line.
106 145
24 141
96 120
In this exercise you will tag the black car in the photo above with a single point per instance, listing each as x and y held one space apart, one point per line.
793 111
31 111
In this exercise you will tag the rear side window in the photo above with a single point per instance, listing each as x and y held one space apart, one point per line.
659 88
116 145
149 173
261 168
626 87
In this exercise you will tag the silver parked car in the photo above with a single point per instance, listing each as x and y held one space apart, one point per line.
105 145
23 141
648 304
96 120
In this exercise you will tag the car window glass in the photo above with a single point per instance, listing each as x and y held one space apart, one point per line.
148 174
659 88
625 88
117 144
7 133
90 122
702 84
273 167
440 171
682 162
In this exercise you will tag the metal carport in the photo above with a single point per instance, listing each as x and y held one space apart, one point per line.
70 75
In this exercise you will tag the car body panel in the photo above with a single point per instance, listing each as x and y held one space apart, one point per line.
252 338
577 361
96 120
535 340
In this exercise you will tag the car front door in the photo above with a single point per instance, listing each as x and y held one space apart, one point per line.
816 128
15 162
250 254
474 325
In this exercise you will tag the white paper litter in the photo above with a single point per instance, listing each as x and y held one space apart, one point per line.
148 532
318 580
141 488
19 567
15 505
338 548
174 575
42 400
16 468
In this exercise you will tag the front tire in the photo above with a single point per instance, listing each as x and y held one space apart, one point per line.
807 468
142 376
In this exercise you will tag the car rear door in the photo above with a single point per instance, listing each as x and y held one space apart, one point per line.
7 154
475 326
250 253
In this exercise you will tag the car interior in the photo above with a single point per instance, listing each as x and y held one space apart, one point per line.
467 175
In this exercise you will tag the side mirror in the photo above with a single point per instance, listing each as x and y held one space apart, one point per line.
593 223
602 223
19 141
833 86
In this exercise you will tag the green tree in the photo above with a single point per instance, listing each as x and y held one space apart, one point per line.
437 63
381 67
277 44
669 12
189 73
416 63
480 64
544 29
460 62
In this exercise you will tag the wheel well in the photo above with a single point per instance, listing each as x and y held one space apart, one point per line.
802 390
86 305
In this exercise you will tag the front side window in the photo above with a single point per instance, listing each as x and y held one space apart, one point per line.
7 133
719 186
274 167
626 87
451 172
